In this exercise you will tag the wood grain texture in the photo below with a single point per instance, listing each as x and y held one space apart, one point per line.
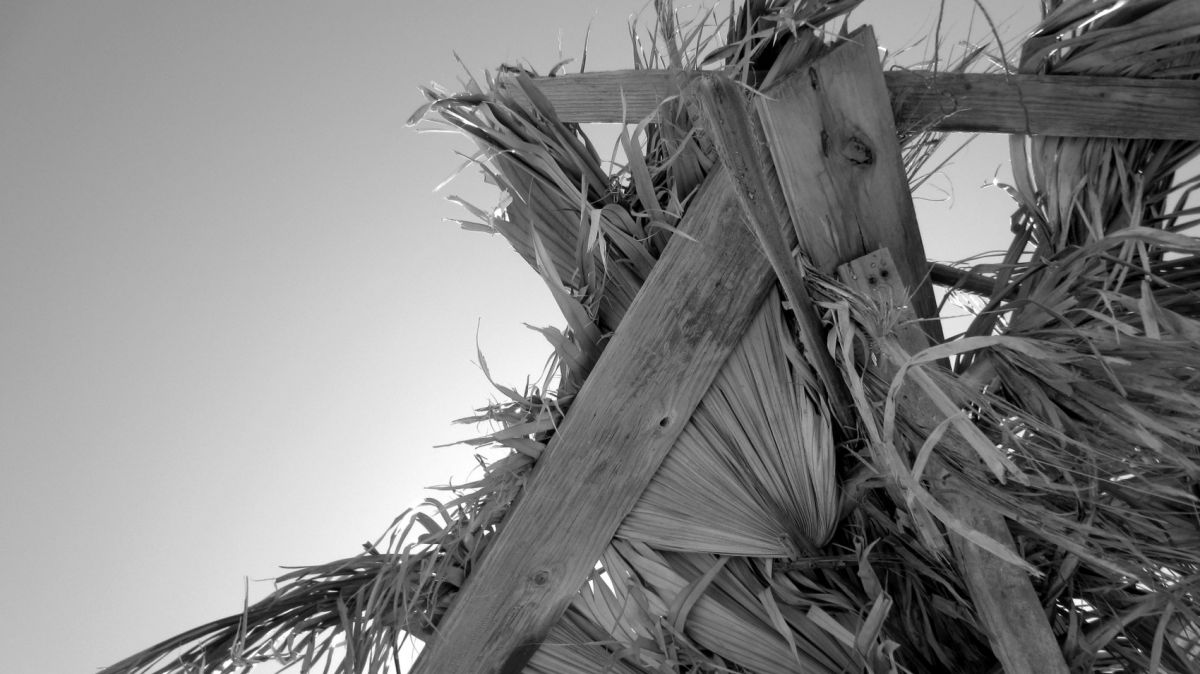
1063 105
615 96
1003 595
689 316
1059 105
835 150
743 150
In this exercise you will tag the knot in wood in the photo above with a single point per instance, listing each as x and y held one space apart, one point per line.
949 103
857 151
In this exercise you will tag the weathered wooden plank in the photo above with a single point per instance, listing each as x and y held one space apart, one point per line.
838 161
1061 105
838 164
1004 599
743 150
609 96
690 314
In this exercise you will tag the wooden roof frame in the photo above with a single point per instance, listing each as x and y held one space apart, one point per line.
833 141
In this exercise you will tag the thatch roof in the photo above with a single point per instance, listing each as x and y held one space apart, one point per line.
783 531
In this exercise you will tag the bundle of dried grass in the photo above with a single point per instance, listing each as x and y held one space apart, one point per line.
771 539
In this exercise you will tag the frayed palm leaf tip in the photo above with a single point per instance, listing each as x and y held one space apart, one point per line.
772 538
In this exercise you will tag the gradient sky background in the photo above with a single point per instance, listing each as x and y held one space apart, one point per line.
233 322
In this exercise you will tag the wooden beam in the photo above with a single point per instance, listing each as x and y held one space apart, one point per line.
606 97
1060 105
837 160
835 151
1049 105
688 317
743 150
1004 598
961 279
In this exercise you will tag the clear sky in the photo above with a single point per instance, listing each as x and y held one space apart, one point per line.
232 322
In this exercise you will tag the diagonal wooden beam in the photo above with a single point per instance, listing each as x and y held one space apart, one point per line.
743 151
692 311
1057 105
1005 601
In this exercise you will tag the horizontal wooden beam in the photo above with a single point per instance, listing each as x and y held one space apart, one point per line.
1050 105
1058 105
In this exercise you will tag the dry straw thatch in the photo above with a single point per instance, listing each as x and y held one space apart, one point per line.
772 539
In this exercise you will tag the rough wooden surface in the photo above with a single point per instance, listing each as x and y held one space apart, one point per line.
837 157
691 313
835 151
1060 105
1063 105
744 152
1004 598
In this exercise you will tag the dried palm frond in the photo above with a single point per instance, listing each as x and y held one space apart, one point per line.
1079 189
1094 389
1097 399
